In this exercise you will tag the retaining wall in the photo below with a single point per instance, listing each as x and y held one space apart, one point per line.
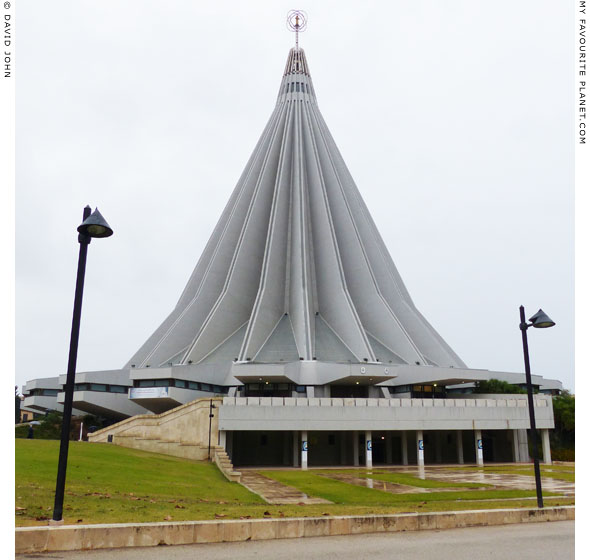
91 537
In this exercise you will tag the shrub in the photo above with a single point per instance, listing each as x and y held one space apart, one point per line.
563 454
492 386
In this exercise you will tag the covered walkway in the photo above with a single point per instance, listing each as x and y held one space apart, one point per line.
368 448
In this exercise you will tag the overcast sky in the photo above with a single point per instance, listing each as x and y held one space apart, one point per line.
455 119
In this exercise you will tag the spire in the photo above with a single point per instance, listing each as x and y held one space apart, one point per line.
295 268
297 22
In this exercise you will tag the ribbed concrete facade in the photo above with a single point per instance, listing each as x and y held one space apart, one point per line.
295 268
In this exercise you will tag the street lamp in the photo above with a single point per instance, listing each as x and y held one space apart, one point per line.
211 407
540 321
93 225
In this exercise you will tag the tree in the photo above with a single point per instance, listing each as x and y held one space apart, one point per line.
16 405
564 412
496 386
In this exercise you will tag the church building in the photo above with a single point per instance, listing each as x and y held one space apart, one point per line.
297 323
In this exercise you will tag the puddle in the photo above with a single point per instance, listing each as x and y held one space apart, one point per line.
494 480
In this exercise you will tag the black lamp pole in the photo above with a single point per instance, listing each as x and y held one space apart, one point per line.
92 226
211 407
539 320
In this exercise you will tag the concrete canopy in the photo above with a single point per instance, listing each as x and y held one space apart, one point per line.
295 269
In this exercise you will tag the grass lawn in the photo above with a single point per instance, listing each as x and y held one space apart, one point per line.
112 484
315 484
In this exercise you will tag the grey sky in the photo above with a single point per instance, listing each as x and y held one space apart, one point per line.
455 119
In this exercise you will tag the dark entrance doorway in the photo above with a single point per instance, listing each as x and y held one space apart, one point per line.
262 449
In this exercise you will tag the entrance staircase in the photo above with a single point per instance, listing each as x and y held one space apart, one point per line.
181 432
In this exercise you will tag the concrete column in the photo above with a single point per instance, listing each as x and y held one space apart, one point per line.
222 438
420 447
355 448
368 450
304 450
295 448
438 446
310 392
515 452
459 447
388 448
404 448
546 447
523 446
478 448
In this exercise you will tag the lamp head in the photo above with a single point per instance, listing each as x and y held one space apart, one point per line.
540 320
95 226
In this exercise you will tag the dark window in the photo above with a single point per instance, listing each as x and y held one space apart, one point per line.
153 383
267 389
43 392
98 387
117 389
349 391
428 392
331 439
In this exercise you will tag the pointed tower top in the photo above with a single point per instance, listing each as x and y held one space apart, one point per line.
296 63
297 21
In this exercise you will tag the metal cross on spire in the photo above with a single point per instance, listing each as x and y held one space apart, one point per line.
297 21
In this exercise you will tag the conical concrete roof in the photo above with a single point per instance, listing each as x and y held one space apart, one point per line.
295 268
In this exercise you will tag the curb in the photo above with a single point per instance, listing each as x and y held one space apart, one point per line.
122 535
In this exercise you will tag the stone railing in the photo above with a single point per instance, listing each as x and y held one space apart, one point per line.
291 413
540 401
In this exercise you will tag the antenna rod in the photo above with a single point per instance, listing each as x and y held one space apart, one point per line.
297 21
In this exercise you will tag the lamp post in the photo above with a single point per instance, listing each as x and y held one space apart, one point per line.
211 407
93 225
540 321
